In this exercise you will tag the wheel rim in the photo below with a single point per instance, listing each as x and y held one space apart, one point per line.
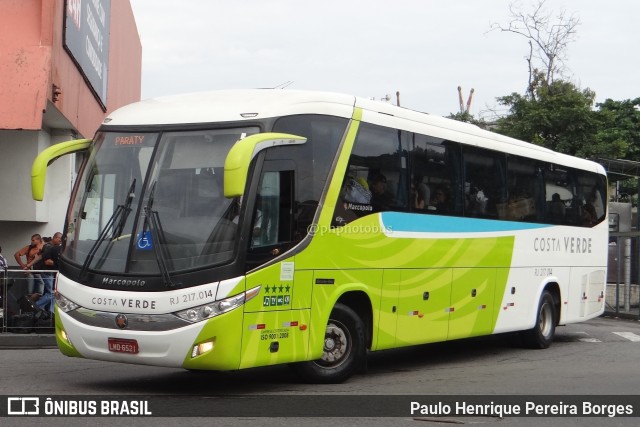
545 322
337 345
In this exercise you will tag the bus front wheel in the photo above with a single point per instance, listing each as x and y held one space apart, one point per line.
344 349
541 335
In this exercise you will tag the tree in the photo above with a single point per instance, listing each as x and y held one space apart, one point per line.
553 112
619 127
467 117
558 116
547 37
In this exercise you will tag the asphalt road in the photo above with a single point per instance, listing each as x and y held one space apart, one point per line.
599 357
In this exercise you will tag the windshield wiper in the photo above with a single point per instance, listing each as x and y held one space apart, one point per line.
152 223
126 210
120 215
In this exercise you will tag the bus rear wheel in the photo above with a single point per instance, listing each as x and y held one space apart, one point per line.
542 334
344 349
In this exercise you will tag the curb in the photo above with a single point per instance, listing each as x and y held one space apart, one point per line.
628 316
17 341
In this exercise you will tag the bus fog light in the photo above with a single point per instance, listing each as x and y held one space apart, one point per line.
202 348
64 336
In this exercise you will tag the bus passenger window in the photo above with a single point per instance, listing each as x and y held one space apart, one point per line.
560 206
354 200
433 167
525 191
377 176
484 187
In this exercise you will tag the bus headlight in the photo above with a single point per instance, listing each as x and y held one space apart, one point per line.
64 303
215 308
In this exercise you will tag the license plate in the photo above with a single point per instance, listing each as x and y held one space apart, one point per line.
119 345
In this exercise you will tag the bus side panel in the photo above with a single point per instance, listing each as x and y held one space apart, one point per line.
472 302
514 302
275 325
424 306
276 287
301 298
385 335
586 299
517 302
329 286
274 337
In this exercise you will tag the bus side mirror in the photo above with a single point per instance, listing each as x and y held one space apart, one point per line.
44 159
236 165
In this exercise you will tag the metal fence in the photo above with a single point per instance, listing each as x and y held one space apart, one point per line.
18 311
623 297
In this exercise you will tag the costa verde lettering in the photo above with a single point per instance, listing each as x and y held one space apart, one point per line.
137 303
571 245
124 302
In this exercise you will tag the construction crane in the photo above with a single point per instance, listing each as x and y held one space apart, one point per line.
462 106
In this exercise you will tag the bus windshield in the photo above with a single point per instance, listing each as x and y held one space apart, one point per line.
153 203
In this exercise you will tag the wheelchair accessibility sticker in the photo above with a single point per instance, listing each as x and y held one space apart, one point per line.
144 241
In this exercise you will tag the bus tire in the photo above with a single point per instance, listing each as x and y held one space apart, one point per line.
344 350
542 334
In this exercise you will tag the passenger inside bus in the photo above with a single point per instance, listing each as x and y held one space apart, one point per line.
381 199
589 216
420 193
556 209
440 199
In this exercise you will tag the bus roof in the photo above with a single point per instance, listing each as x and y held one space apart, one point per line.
230 106
251 104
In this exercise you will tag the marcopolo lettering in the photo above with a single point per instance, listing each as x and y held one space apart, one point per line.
122 282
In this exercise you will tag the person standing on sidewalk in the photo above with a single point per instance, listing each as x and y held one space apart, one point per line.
3 274
3 262
35 283
49 257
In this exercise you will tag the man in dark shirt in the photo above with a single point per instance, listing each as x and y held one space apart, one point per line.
50 254
381 200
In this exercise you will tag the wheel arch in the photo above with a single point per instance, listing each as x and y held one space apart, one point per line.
554 288
360 302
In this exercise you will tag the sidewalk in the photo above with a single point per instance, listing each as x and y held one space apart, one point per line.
16 341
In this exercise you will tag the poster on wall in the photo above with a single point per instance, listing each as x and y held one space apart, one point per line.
86 39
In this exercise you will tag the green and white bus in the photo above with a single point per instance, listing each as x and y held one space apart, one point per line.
234 229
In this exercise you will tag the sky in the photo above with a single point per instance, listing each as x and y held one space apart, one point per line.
423 49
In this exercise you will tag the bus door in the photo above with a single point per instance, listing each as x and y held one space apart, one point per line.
275 322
